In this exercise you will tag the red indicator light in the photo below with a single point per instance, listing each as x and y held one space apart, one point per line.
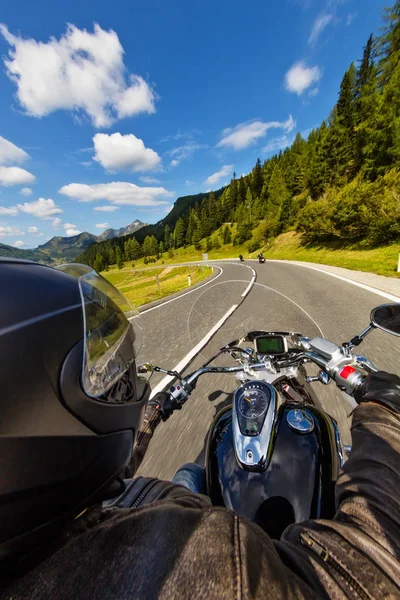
347 371
178 387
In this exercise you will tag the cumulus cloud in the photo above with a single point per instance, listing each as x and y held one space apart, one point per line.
127 152
216 177
147 179
8 231
71 229
300 77
318 27
56 223
15 176
184 152
107 208
118 192
10 153
41 208
26 191
79 71
102 225
33 229
245 134
19 244
8 212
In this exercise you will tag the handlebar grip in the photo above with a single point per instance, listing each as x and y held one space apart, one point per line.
348 379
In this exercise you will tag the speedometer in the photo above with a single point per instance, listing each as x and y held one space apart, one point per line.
252 403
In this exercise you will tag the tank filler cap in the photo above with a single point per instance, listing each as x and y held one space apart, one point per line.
300 420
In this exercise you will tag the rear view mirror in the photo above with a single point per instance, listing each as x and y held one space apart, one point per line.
387 318
145 371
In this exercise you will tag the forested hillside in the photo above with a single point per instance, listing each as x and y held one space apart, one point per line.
342 183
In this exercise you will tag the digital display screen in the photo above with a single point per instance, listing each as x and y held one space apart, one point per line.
270 344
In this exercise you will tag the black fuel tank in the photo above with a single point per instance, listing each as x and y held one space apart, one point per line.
298 483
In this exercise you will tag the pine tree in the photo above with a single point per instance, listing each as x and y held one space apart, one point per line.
153 246
257 180
119 257
98 263
227 236
162 247
277 195
241 191
209 244
167 236
179 233
249 204
135 249
147 246
111 256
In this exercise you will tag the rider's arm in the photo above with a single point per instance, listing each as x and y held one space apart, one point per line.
359 551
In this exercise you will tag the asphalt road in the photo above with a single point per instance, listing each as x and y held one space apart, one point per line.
284 296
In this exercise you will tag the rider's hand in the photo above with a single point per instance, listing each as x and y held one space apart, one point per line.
380 387
165 404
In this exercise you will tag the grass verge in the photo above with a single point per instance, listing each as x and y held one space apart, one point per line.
382 260
141 287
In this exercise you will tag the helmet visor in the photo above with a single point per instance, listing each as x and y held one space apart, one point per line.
111 343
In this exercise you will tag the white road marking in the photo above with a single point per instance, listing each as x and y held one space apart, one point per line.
342 278
182 295
193 352
247 290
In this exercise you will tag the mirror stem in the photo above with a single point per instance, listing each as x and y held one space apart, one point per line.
356 341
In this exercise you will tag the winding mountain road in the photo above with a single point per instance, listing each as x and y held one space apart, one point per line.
273 296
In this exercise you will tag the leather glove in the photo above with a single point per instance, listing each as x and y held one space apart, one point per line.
165 404
380 387
159 407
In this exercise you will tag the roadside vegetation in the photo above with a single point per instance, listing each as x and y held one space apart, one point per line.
338 190
143 286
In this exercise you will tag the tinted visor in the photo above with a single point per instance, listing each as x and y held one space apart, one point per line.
111 343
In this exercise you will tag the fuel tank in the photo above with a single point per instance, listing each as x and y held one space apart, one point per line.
298 482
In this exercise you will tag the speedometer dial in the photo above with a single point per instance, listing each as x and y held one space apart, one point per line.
253 403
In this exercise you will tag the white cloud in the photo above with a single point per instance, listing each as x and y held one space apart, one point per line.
26 191
115 152
71 232
69 226
216 177
319 25
56 223
33 229
147 179
300 77
15 176
9 212
10 153
41 208
350 18
19 244
6 231
279 143
106 208
245 134
118 192
184 152
86 163
80 71
102 225
189 183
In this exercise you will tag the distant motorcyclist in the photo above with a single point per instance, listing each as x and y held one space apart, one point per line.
241 257
261 257
71 407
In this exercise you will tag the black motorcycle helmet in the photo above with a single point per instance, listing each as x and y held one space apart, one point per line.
70 400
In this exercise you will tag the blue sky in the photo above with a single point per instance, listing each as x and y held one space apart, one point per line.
111 110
